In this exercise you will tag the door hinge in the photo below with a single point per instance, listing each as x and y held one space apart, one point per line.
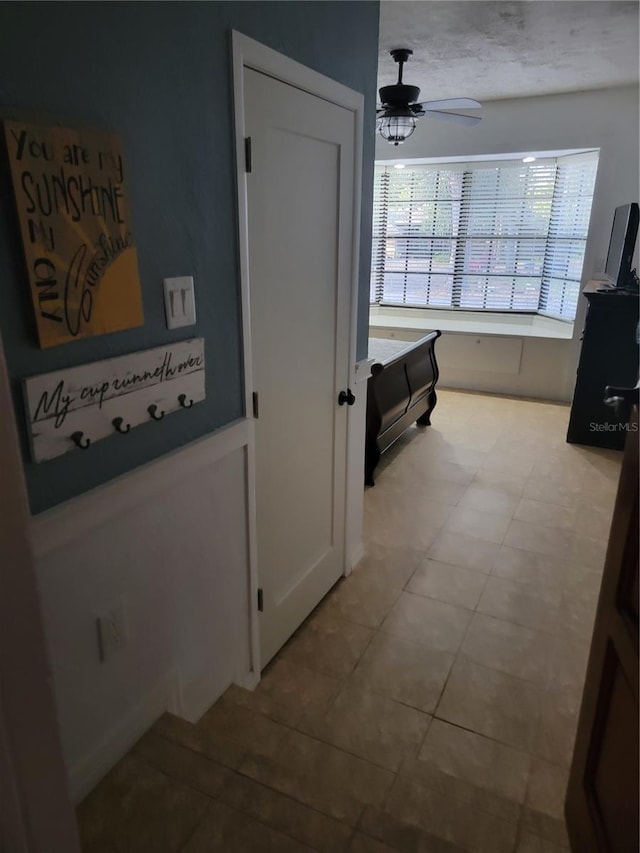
260 601
247 154
256 405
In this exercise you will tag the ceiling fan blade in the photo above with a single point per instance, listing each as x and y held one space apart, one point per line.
454 117
451 104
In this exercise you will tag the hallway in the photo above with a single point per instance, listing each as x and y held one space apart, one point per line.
430 702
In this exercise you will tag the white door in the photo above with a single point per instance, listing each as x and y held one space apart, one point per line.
300 195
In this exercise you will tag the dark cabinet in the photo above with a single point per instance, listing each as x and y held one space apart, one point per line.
602 797
609 356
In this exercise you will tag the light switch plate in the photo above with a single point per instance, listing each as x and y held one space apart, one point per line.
179 302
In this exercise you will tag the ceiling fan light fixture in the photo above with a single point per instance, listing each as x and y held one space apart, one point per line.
395 129
399 107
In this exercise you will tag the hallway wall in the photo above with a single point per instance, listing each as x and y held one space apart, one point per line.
157 523
159 75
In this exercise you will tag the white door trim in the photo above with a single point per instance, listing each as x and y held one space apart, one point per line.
247 53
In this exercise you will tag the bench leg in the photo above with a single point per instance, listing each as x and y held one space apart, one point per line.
425 420
371 459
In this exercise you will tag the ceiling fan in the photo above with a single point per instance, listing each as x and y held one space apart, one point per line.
399 109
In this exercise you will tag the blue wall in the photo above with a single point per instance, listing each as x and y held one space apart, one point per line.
159 75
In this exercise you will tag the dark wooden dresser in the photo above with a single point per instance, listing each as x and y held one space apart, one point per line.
609 357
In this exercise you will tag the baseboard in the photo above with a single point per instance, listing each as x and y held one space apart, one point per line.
356 555
85 773
250 681
193 700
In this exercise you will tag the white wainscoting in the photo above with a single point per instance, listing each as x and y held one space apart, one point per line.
487 353
169 542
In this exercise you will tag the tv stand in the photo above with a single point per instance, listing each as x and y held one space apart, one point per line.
609 356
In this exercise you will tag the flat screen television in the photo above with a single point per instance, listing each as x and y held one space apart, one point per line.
621 245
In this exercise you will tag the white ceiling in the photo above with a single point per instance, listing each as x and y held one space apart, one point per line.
493 50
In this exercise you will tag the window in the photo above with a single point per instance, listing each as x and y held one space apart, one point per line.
498 236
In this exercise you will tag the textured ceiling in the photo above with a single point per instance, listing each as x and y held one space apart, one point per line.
493 50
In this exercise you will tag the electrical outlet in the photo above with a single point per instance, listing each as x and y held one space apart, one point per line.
112 633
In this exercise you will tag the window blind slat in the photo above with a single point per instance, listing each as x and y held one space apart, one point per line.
568 227
498 236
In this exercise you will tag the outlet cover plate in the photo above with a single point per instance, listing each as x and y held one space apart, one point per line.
112 632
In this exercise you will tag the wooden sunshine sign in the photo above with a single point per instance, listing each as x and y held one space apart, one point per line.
74 219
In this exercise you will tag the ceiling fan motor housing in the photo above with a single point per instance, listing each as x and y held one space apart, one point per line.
399 95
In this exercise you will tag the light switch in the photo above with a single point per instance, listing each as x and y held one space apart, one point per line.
179 302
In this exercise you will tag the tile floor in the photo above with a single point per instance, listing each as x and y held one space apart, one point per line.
429 704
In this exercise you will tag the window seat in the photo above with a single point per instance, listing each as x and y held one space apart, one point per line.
393 321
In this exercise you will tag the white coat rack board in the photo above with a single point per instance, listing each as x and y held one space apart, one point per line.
70 409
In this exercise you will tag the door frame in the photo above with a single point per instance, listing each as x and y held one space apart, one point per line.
248 53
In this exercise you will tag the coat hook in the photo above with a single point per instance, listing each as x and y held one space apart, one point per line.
182 399
76 438
117 423
152 411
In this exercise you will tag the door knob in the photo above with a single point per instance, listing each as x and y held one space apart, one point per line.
346 397
621 399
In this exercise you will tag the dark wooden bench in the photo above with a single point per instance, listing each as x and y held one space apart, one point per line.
400 391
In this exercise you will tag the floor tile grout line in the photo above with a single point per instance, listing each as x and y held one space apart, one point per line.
294 799
416 757
197 826
485 737
260 822
286 796
440 600
404 704
455 660
170 775
294 728
355 754
318 739
528 681
421 784
273 828
290 797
